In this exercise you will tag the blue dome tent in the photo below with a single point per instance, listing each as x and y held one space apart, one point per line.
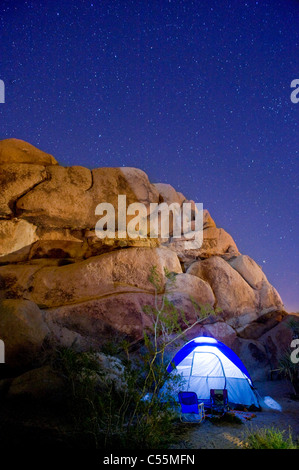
204 364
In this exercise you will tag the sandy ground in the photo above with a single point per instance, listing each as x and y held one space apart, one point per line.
208 435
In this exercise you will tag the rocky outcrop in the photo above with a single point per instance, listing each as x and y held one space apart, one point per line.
235 295
99 276
216 242
18 151
87 324
194 288
15 181
17 237
61 284
263 342
249 270
42 383
48 384
23 331
69 196
168 194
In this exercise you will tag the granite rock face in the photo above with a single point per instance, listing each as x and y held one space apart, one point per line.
59 282
18 151
23 331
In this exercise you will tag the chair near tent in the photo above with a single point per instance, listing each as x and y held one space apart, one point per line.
205 364
219 400
191 410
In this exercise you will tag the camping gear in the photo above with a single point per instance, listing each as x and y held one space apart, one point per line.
218 400
204 364
242 415
191 410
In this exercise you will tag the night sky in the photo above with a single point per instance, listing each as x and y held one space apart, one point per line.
195 93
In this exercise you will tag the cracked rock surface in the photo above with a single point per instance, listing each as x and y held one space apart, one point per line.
82 289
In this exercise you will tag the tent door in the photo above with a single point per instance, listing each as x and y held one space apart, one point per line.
207 366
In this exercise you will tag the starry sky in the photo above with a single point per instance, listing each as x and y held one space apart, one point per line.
195 93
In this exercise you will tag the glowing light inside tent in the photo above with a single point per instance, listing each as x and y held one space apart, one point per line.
205 339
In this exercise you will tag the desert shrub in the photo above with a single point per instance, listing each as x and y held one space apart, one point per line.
286 367
270 438
127 411
289 369
107 414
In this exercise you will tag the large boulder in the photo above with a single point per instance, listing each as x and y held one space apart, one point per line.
221 331
42 383
59 244
261 325
254 355
61 201
47 384
97 246
18 151
16 239
249 270
208 222
188 309
15 181
253 274
107 274
240 321
216 241
234 296
194 287
169 194
269 298
16 280
69 197
233 291
271 339
112 372
277 340
89 324
23 331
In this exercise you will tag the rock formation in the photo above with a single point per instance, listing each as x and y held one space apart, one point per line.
61 284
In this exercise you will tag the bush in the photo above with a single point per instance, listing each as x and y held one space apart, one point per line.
131 415
106 415
285 365
270 438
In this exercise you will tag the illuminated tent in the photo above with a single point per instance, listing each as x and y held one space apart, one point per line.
204 364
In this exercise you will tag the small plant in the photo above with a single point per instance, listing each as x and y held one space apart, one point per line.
270 438
285 365
293 324
290 370
132 415
169 325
